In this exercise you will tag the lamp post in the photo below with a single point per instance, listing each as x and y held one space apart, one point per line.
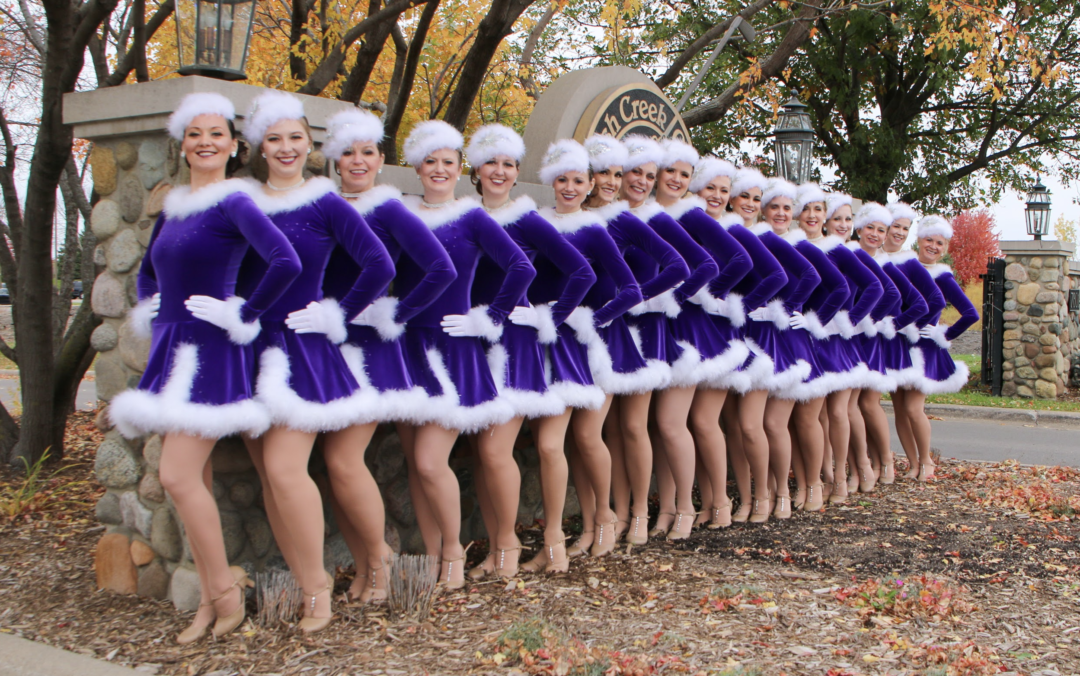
212 37
794 142
1038 210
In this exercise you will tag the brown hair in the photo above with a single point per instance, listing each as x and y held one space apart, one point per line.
475 178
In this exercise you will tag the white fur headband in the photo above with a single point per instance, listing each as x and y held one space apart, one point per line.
491 140
707 169
348 127
808 194
605 152
677 151
429 136
268 109
778 187
747 178
194 105
901 210
934 225
642 150
834 201
871 212
563 156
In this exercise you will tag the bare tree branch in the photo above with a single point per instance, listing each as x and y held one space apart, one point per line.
395 108
525 76
714 33
130 60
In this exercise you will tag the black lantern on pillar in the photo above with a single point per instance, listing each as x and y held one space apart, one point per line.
794 142
213 36
1038 210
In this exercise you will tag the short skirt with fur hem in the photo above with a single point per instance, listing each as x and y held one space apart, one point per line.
773 364
818 382
455 375
711 349
305 382
653 335
941 373
839 358
566 367
517 365
898 362
380 365
618 366
197 382
872 354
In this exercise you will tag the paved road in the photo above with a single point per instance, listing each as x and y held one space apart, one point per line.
993 440
85 399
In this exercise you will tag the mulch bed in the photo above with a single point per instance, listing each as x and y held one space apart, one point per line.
975 573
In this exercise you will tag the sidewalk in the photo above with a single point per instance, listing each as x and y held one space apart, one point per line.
20 657
1058 419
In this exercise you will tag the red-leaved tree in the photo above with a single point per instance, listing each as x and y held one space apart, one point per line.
975 239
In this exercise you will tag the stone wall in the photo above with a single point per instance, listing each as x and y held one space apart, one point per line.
1070 340
1036 320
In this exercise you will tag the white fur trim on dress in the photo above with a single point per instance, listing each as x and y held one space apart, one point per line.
605 152
758 375
641 150
447 411
937 334
576 395
867 327
141 317
436 218
776 313
828 243
760 229
666 304
907 377
513 210
679 209
267 109
747 178
288 409
819 387
814 325
840 325
690 369
887 328
794 235
427 137
525 403
380 316
654 375
313 189
785 383
934 225
938 269
379 195
338 332
181 202
926 385
901 257
239 332
389 405
809 193
871 212
137 413
678 151
194 105
734 309
572 222
874 380
581 321
708 169
901 210
546 331
834 202
563 156
911 332
492 140
490 331
611 211
778 187
647 209
348 127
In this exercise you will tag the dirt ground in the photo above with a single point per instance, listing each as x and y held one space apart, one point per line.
976 573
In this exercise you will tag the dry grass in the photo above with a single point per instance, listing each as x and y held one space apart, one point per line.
974 292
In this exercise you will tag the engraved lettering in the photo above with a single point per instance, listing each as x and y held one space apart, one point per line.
626 116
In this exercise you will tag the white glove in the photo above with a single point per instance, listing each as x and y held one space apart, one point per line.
380 316
758 314
224 314
476 323
867 327
798 321
143 314
911 332
840 325
524 315
324 316
773 312
936 333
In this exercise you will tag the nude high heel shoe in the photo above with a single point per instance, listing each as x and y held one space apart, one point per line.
658 530
721 517
310 624
605 539
579 548
228 623
783 507
638 533
677 531
815 498
196 629
762 507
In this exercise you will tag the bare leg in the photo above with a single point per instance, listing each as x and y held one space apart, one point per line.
920 429
503 486
826 450
797 465
711 450
487 511
586 427
672 412
840 439
904 431
550 436
862 474
665 483
704 489
756 447
425 515
739 463
877 432
586 498
620 477
777 417
637 448
205 614
807 420
273 514
432 447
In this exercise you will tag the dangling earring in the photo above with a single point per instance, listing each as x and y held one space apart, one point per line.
234 153
182 155
264 156
380 170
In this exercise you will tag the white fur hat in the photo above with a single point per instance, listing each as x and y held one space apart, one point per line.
642 150
194 105
746 178
902 210
348 127
707 169
562 156
871 212
491 140
677 151
605 152
834 201
808 194
779 187
934 225
269 108
429 136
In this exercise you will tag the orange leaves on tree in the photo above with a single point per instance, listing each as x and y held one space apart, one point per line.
974 240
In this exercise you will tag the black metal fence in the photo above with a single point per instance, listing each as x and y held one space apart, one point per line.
993 331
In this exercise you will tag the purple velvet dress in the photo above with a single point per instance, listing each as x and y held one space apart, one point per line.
867 339
197 381
772 338
712 346
453 370
818 310
518 359
765 279
303 378
582 372
838 355
374 351
895 345
941 373
907 263
632 370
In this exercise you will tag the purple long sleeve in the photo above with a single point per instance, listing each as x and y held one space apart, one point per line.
656 265
956 297
355 236
866 290
829 296
501 248
702 266
730 256
765 279
908 263
912 304
889 303
146 283
802 277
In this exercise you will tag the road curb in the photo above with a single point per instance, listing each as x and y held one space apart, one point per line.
1026 417
20 657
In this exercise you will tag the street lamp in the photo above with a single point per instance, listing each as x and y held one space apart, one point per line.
212 37
1038 210
794 142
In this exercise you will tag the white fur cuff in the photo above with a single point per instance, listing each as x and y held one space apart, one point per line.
777 314
937 334
337 332
665 303
841 325
867 327
887 327
380 316
546 331
239 332
814 325
489 330
911 332
141 317
581 321
734 309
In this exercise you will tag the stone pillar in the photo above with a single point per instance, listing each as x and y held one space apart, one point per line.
1070 336
1037 324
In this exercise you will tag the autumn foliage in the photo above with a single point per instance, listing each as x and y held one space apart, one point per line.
975 239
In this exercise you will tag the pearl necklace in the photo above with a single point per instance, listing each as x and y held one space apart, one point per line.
285 189
438 205
556 214
498 208
352 195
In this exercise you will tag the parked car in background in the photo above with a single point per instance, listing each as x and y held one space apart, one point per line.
5 297
76 289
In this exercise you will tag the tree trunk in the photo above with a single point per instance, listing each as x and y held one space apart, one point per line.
395 109
366 58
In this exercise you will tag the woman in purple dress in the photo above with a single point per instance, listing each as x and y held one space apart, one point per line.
518 358
199 378
445 343
373 348
303 378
